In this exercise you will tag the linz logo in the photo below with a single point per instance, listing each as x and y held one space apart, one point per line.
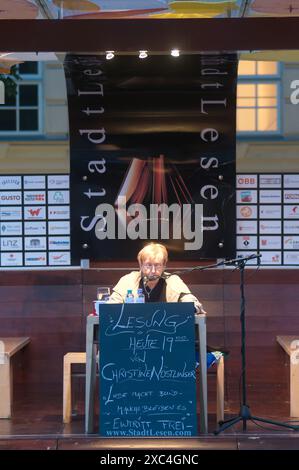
2 92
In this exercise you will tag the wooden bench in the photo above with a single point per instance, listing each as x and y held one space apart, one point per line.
286 343
80 358
69 359
8 348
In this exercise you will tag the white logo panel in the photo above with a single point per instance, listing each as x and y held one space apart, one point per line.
247 196
59 258
58 197
271 257
11 259
59 243
270 226
35 243
270 242
246 226
11 244
291 181
11 213
36 258
291 196
35 228
291 227
248 242
34 197
11 228
59 228
10 198
291 212
35 213
58 182
246 181
10 182
246 212
291 242
270 212
270 181
269 196
58 212
291 257
34 182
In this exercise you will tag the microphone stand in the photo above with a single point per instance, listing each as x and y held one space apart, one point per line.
244 414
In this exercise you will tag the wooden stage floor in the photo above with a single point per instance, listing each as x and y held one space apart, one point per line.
37 424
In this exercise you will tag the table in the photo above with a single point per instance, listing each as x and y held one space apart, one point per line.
92 327
8 348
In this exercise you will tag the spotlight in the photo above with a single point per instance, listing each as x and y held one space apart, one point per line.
175 53
109 55
143 54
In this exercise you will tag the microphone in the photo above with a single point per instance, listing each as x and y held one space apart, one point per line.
255 256
146 279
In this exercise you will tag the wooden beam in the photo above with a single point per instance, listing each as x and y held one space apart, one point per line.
160 35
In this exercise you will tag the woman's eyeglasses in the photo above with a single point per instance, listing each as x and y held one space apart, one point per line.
156 266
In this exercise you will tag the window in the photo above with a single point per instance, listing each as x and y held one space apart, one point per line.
258 97
21 112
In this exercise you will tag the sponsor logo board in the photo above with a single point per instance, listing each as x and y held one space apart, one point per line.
291 242
270 242
34 213
271 257
10 198
270 212
35 243
35 258
246 226
35 228
291 257
11 243
270 226
34 197
58 197
246 196
291 181
270 181
59 228
58 212
11 213
246 181
10 182
58 182
34 182
291 211
269 196
59 243
59 258
11 228
11 259
246 242
246 212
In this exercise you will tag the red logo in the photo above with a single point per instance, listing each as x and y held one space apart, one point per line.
35 212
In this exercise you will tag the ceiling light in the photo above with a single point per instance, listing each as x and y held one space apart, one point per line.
175 53
109 55
143 54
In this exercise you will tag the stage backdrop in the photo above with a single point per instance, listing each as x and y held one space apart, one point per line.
152 155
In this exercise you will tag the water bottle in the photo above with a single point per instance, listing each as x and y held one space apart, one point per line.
129 297
140 297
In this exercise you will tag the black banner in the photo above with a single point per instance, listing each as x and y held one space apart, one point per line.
152 155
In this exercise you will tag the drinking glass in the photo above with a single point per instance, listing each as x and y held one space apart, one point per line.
103 293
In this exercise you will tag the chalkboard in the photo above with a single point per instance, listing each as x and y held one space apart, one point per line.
147 370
